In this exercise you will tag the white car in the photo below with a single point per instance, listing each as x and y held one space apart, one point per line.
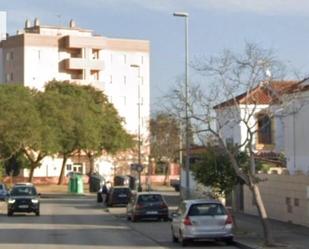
201 219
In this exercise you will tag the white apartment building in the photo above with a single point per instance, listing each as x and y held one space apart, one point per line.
118 67
2 25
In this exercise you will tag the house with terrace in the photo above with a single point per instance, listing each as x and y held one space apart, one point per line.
255 115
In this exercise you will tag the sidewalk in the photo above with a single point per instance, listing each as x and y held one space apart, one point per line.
60 191
249 233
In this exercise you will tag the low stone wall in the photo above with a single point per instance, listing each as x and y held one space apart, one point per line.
286 198
38 180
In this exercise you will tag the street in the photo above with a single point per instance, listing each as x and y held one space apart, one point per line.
80 222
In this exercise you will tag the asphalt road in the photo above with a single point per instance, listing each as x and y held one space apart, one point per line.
82 223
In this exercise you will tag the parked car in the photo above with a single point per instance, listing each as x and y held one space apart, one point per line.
118 195
201 219
3 192
145 205
23 198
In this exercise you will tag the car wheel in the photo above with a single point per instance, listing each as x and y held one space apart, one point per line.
183 241
10 213
229 241
37 213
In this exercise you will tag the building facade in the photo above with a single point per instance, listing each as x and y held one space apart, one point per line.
118 67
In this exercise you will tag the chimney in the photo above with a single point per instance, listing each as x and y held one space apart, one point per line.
72 24
36 22
27 24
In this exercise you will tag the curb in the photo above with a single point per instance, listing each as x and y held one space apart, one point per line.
242 245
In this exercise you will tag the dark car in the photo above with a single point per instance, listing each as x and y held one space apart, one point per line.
147 205
3 192
23 198
118 195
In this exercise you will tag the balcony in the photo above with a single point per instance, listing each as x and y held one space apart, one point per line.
82 64
84 42
100 85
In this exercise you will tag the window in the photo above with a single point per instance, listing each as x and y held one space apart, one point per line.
9 56
111 79
9 77
264 129
206 209
69 167
124 80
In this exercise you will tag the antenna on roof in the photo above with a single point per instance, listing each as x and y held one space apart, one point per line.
268 73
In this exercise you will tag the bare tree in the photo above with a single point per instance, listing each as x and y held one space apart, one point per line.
239 91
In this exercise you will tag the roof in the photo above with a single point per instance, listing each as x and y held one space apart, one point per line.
261 94
201 201
300 86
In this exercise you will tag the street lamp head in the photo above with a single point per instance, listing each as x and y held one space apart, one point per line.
182 14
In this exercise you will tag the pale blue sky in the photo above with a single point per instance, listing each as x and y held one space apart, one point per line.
214 25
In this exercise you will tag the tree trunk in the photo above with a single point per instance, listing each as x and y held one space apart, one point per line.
166 173
268 238
32 168
91 161
60 180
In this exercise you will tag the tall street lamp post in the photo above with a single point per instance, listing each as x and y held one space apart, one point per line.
187 161
139 166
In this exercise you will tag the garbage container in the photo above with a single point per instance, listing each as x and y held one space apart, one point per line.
76 183
72 186
95 183
79 184
132 182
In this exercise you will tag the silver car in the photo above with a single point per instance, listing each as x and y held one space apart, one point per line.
201 219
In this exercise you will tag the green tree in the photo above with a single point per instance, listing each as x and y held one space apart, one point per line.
84 120
164 140
19 119
214 170
105 132
45 142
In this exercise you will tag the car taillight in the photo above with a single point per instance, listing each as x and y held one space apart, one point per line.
187 221
229 219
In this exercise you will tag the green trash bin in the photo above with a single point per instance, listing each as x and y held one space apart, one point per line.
72 186
79 184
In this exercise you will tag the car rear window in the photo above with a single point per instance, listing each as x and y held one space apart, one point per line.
122 190
22 191
149 198
205 209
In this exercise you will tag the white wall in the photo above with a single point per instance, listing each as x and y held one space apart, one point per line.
42 65
121 85
297 136
2 25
